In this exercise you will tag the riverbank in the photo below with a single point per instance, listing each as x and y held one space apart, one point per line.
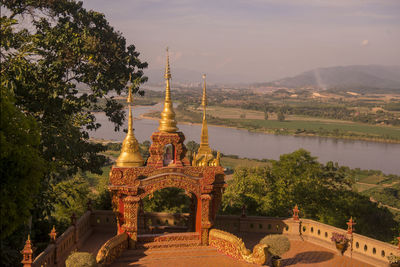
343 130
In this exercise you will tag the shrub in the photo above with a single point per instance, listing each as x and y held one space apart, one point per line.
277 244
81 259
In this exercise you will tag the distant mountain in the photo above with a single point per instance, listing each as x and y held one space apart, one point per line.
370 76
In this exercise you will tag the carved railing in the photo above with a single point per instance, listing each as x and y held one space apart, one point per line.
103 220
364 248
46 258
73 238
112 249
233 246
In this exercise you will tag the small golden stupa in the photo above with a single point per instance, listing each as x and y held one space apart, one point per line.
204 156
168 122
130 154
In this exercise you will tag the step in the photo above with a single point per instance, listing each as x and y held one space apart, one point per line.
155 257
168 237
167 251
168 244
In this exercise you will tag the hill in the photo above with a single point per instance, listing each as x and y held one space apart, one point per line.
368 76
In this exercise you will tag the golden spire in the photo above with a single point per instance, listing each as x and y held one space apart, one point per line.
130 154
204 156
168 122
204 147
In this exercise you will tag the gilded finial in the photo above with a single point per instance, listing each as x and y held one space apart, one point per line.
204 156
167 74
130 98
204 99
130 154
168 122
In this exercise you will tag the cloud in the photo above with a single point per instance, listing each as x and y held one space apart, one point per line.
364 43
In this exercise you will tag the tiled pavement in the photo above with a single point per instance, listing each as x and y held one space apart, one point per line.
301 253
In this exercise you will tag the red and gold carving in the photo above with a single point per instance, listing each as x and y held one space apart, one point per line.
112 249
170 181
233 246
116 176
131 208
205 211
131 184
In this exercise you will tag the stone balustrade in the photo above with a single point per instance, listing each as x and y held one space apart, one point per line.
103 220
364 249
56 254
112 249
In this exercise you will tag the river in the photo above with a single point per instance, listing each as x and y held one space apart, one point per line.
352 153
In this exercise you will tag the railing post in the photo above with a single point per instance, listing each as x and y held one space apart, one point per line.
350 230
27 253
53 239
296 213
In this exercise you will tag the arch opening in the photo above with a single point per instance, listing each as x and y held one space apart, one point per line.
168 210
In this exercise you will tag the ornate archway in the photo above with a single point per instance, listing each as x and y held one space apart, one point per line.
130 181
130 185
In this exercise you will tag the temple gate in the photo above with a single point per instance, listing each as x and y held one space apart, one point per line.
131 180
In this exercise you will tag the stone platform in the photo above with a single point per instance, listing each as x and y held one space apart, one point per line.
301 253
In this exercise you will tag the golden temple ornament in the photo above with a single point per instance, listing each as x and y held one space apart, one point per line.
204 156
167 121
130 154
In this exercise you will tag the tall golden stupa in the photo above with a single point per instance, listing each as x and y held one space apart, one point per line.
204 156
130 154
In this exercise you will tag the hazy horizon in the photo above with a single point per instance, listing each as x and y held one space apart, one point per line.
257 40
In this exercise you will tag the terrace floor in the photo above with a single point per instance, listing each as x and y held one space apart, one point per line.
301 253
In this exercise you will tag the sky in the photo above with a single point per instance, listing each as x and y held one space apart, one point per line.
256 40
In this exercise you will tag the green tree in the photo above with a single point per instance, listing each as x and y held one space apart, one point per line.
172 200
248 187
21 165
72 197
323 193
59 60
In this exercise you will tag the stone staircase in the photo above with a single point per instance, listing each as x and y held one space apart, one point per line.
168 240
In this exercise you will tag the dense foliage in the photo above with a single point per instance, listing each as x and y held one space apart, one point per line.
49 49
21 164
323 193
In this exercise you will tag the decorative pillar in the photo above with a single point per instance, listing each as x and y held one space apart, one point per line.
296 213
53 235
118 209
205 218
53 238
350 230
131 210
27 253
350 226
